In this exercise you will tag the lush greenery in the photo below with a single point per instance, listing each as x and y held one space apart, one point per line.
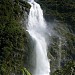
68 69
61 50
13 39
63 10
25 72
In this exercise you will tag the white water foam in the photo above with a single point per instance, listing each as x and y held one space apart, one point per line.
37 30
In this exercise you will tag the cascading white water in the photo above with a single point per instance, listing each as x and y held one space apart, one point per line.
37 30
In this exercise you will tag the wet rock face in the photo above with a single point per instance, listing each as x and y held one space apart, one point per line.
25 6
61 51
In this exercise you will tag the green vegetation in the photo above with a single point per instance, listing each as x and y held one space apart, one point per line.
68 69
63 10
63 54
25 72
13 39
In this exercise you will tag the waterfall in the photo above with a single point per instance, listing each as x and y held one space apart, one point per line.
37 29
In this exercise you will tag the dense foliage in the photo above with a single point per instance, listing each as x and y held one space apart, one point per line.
62 48
63 10
13 39
68 69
